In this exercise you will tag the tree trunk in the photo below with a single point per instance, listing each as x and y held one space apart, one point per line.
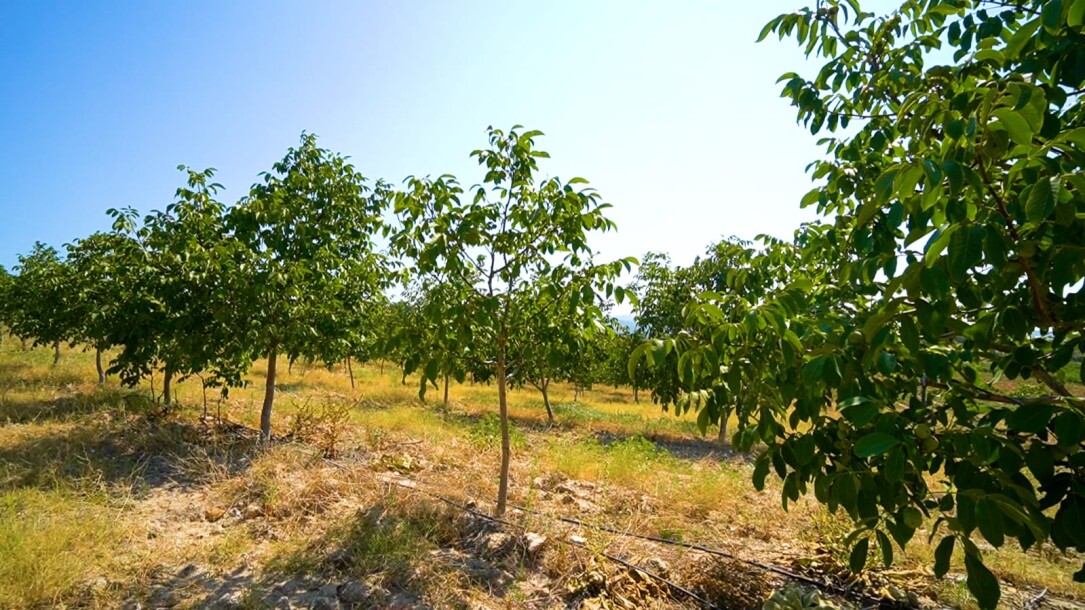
167 388
503 407
722 438
544 387
382 367
22 343
446 391
350 371
98 365
636 394
269 394
56 353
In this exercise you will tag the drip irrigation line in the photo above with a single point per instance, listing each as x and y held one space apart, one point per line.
467 509
710 551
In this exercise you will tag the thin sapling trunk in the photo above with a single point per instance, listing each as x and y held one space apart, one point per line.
269 394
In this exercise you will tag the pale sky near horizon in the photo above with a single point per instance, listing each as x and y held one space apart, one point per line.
669 108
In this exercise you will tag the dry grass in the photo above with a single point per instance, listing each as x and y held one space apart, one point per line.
95 487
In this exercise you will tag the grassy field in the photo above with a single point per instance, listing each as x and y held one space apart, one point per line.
106 501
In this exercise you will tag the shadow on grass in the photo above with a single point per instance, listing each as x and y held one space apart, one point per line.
74 404
136 453
395 553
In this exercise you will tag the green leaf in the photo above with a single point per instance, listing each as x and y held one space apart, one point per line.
433 369
989 519
859 410
875 443
1052 15
942 554
886 547
1030 418
1076 16
857 559
981 582
965 251
1040 202
1016 125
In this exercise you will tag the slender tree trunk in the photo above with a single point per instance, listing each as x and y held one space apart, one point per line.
350 371
636 394
22 343
269 394
503 407
56 353
98 365
167 388
544 387
290 367
382 366
722 438
446 390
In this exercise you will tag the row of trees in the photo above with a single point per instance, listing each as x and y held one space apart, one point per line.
500 281
860 357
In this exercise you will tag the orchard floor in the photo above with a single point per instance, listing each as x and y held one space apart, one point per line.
106 501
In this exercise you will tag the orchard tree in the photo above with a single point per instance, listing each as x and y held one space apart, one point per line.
555 341
39 297
310 268
6 283
516 238
955 143
425 342
101 280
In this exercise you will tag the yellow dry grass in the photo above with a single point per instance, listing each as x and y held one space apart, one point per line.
81 501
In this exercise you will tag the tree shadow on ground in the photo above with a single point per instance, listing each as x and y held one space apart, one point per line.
683 448
72 404
395 553
138 453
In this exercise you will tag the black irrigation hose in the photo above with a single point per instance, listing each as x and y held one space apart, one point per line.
711 551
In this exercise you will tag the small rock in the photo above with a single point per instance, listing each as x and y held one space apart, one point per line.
277 602
658 566
213 514
230 600
339 559
189 571
323 602
328 591
163 597
98 586
353 592
577 539
534 542
252 511
498 543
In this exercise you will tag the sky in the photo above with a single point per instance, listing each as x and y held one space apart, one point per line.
669 109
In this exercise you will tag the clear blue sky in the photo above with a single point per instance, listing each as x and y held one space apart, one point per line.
669 108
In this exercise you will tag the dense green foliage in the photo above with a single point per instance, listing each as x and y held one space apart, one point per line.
862 354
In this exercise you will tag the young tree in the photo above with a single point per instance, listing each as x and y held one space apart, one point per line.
516 239
100 283
6 283
954 178
311 268
554 341
38 299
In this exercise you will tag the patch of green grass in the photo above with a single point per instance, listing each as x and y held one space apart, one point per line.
486 433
